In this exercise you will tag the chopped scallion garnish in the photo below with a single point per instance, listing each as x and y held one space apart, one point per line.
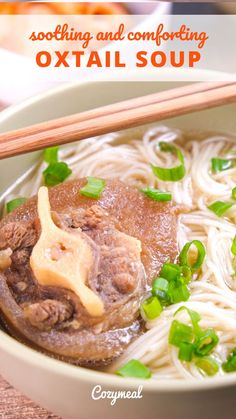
186 273
160 290
56 173
207 365
170 271
14 203
171 286
219 165
233 247
186 351
178 291
194 317
233 193
172 174
157 195
219 207
179 333
192 341
205 342
93 188
50 155
201 252
230 364
160 284
134 368
152 308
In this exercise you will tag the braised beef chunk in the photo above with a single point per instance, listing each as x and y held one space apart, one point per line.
46 314
53 318
17 235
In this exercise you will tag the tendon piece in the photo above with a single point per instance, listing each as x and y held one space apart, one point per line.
131 236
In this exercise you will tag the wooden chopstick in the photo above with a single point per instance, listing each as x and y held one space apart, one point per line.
118 116
118 107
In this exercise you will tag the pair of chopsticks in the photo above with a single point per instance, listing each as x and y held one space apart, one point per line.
118 116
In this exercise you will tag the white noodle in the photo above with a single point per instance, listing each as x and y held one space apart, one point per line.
213 294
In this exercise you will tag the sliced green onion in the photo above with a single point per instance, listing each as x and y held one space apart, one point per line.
178 291
205 342
194 317
50 155
219 165
233 194
177 277
179 333
157 195
170 271
134 368
11 205
230 364
233 247
162 297
186 351
183 257
160 290
170 174
219 207
151 307
207 365
193 341
186 273
56 173
160 284
93 188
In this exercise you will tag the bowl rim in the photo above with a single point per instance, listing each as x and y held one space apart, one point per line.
164 76
36 358
33 357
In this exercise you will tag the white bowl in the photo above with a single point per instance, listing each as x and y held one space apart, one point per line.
65 389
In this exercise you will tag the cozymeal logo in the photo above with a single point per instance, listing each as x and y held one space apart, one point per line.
98 394
87 56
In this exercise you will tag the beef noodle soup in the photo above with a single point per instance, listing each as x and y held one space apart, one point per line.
124 258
